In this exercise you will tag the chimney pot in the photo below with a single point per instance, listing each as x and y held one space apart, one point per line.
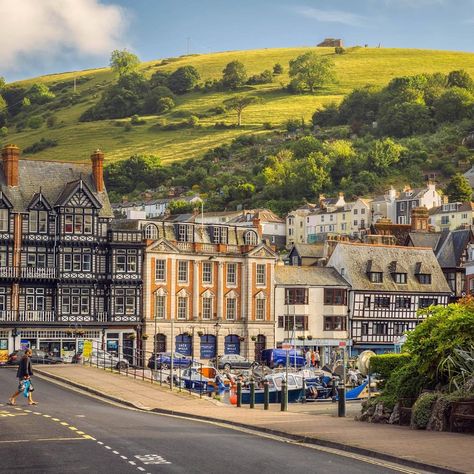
10 157
97 159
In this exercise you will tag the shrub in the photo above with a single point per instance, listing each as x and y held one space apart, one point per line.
266 77
193 121
219 110
422 410
385 364
3 131
183 79
267 126
35 122
136 120
339 50
43 144
277 69
51 121
292 125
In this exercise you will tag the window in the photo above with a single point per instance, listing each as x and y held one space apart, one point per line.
230 309
365 329
403 302
87 224
334 323
376 277
185 233
356 223
296 296
444 220
427 302
160 270
260 309
335 296
126 261
125 301
4 220
366 301
382 301
463 216
380 329
206 308
399 328
3 299
38 222
290 220
77 260
290 322
362 211
160 305
207 272
260 274
231 273
182 271
151 232
355 212
35 299
250 238
424 278
451 279
182 307
400 278
219 235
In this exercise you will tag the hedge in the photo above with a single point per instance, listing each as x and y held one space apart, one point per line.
385 364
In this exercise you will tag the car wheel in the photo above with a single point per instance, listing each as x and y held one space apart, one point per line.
227 366
254 365
121 365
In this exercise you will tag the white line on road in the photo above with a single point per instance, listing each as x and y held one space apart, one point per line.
141 468
124 457
100 442
115 452
132 463
107 447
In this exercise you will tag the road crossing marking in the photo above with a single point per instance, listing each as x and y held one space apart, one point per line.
124 457
64 423
115 452
152 459
47 416
132 463
100 442
141 468
56 419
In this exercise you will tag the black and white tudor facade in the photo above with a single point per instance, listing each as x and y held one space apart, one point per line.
389 284
66 274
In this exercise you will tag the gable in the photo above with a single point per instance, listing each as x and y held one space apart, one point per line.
162 246
5 202
39 203
78 194
262 251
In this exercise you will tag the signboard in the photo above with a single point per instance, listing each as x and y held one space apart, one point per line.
231 348
208 350
3 351
342 344
112 346
183 348
24 344
87 349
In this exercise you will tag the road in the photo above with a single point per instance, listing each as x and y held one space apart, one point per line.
75 433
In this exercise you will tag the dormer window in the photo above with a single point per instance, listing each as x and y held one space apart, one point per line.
376 277
185 233
250 238
424 278
400 278
38 222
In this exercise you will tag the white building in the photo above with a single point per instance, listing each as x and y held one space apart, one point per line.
361 217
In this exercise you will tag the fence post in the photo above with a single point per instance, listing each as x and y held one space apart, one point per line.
284 396
200 384
252 393
266 395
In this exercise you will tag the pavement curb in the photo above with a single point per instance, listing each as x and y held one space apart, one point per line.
301 439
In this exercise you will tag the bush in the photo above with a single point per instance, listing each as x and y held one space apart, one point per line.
421 411
43 144
219 110
193 121
277 69
51 121
385 364
136 120
266 77
339 50
3 131
183 79
267 126
35 122
292 125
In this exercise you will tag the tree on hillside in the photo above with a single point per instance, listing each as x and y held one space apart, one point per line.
277 69
311 71
3 111
14 95
183 79
39 94
459 189
2 83
234 75
455 104
123 61
461 79
383 154
238 104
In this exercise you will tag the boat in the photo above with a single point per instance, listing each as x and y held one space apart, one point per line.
203 379
295 389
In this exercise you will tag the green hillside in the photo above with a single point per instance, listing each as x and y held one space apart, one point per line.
76 139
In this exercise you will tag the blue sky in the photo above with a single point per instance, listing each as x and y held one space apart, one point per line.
62 35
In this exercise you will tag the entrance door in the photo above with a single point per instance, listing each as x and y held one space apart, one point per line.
160 343
128 348
51 347
260 345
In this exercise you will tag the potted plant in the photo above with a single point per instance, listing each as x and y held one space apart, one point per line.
241 339
131 337
254 338
200 333
309 337
144 337
81 332
69 332
301 338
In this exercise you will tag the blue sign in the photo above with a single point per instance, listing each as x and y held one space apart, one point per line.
232 344
184 345
208 346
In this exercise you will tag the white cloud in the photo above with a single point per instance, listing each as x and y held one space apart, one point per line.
331 16
49 29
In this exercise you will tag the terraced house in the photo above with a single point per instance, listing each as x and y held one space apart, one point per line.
208 289
65 273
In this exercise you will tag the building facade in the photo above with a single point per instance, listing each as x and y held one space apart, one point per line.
311 308
389 284
409 199
65 274
451 216
208 290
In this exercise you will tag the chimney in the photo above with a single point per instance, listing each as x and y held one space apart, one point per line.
97 159
258 226
419 219
10 157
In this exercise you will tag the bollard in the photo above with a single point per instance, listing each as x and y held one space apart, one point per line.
303 399
252 394
341 400
333 390
284 396
266 395
239 394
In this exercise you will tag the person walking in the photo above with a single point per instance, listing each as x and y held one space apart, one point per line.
24 372
317 358
313 358
308 358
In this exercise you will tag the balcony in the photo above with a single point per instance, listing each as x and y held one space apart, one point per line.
52 317
34 272
36 316
9 272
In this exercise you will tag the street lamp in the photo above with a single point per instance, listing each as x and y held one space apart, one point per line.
217 326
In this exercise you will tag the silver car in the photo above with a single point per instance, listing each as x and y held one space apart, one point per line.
106 359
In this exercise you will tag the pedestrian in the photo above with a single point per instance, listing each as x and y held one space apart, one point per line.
313 358
24 372
317 359
308 358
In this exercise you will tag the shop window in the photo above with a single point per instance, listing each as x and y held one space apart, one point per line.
335 323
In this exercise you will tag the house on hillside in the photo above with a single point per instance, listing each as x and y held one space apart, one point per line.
331 43
307 255
452 216
410 198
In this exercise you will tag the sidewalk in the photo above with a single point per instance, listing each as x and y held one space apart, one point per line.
450 451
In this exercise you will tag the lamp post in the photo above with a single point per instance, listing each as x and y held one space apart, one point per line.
217 326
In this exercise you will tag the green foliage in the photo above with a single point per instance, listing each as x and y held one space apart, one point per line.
405 119
51 121
459 189
310 71
293 124
181 207
159 78
14 95
159 100
360 105
459 367
2 83
41 145
454 104
383 154
123 62
3 111
265 77
39 94
35 122
460 78
385 364
3 131
327 116
422 410
183 80
234 75
136 120
239 104
339 50
277 69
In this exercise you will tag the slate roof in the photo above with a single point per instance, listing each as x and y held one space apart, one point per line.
451 251
53 178
309 250
354 258
427 239
308 276
265 215
461 207
411 194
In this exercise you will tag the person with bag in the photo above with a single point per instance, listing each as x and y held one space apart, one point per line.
25 371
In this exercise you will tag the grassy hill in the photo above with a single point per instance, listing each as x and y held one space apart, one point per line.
358 67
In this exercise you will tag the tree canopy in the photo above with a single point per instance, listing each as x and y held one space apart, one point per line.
311 71
239 103
123 61
234 75
459 189
183 79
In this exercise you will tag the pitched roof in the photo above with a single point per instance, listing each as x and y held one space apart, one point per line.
426 239
411 194
450 253
354 259
52 178
308 276
461 207
310 250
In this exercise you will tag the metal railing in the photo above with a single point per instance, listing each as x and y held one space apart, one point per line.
154 368
32 272
37 316
8 272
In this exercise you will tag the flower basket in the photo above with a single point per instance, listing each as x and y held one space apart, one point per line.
145 337
254 338
200 333
241 339
131 337
309 337
301 338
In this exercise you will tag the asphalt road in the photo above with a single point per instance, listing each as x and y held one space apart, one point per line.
74 433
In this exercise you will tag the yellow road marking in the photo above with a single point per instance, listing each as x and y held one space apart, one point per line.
73 428
77 438
89 437
56 419
64 423
47 416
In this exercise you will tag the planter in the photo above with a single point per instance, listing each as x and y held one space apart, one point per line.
132 337
241 339
309 338
200 333
145 337
254 338
301 338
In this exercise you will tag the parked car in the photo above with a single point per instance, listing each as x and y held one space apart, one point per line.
277 358
234 361
38 357
106 359
163 361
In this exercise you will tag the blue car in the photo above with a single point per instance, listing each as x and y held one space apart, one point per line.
163 361
276 358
